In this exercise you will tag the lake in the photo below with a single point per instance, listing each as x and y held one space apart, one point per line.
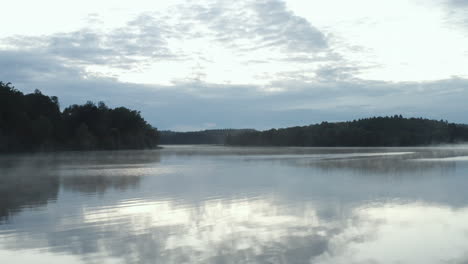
215 204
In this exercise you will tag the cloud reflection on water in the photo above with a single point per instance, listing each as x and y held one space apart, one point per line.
220 207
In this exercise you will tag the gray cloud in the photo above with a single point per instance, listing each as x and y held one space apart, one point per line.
34 66
192 104
457 12
266 23
241 26
139 41
459 3
296 33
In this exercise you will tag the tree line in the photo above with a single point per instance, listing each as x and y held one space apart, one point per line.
210 136
34 122
376 131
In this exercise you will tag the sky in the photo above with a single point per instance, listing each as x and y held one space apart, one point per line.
209 64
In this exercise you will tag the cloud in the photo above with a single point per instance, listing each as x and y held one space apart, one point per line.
458 3
34 66
140 40
265 30
277 104
265 24
457 12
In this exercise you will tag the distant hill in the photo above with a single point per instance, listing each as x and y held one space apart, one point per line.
213 136
34 122
375 131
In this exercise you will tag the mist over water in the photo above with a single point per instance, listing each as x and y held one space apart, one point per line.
214 204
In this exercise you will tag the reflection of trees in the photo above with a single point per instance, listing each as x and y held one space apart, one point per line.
100 183
29 181
101 158
25 187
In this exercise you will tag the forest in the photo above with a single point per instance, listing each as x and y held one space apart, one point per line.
211 136
34 122
376 131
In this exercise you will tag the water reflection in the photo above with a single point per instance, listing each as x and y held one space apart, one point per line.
234 205
29 181
18 192
401 233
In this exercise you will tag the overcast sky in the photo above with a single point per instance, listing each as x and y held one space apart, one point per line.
189 65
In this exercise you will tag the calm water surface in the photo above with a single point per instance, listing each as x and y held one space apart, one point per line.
212 204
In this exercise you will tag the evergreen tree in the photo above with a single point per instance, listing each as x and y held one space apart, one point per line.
33 122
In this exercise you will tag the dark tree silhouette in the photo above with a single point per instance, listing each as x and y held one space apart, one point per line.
212 136
33 122
375 131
